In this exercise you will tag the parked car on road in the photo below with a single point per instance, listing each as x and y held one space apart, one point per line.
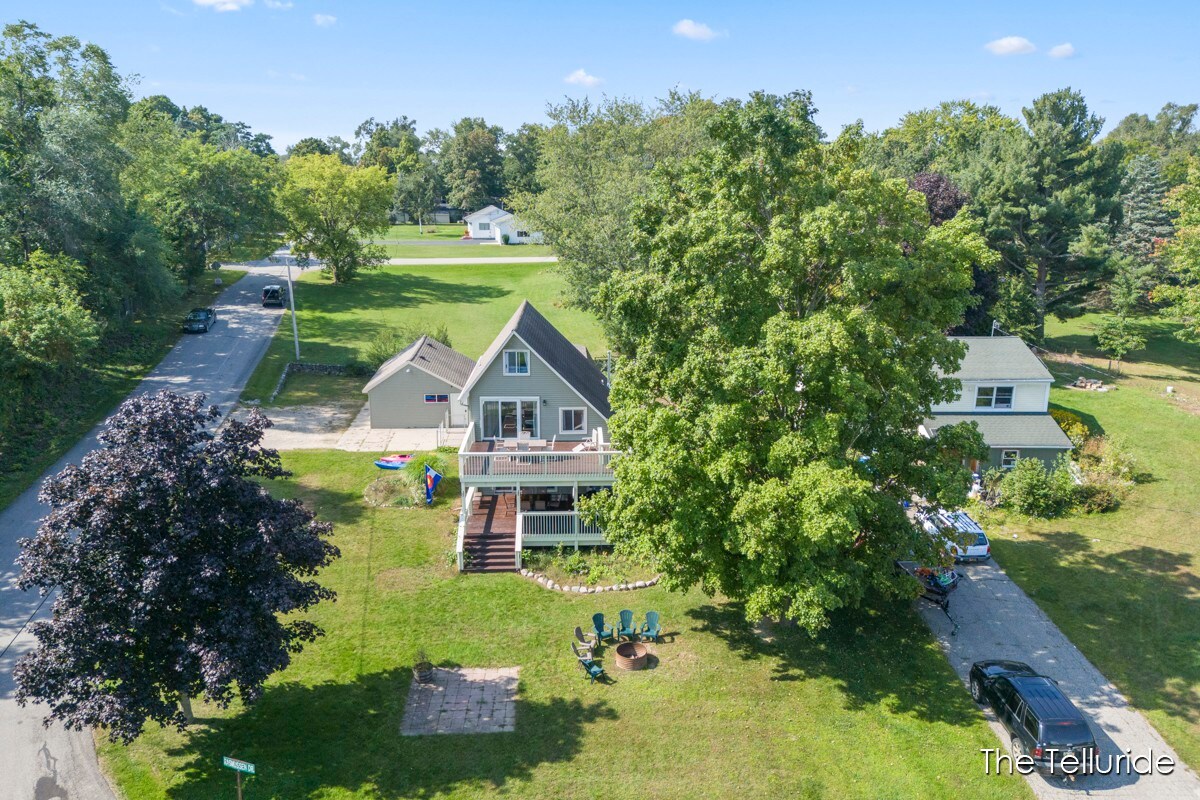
963 536
274 295
1044 724
200 320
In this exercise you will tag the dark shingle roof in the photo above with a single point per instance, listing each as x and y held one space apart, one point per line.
431 356
1009 429
999 358
579 371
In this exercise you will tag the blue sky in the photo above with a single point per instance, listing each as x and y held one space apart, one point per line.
294 68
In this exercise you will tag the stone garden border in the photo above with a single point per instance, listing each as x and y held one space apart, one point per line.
545 582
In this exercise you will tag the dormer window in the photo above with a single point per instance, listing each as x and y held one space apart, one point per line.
994 397
516 362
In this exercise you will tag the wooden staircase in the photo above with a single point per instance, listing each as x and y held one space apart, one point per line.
491 535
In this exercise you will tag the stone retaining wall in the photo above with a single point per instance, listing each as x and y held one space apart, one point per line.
616 587
305 366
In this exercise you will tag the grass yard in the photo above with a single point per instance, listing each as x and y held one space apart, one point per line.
474 300
428 234
871 710
1125 586
466 251
65 413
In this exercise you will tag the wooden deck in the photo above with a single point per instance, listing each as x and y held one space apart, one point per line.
490 537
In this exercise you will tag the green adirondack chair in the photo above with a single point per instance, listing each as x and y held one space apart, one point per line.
626 627
651 629
592 669
601 630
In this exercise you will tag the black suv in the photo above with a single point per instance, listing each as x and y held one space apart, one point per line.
1044 724
274 295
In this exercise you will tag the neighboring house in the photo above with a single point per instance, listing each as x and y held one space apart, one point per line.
419 387
444 214
492 222
537 411
1006 392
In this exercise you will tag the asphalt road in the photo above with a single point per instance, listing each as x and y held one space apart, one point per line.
998 620
38 763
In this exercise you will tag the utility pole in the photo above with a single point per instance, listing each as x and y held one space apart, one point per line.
292 304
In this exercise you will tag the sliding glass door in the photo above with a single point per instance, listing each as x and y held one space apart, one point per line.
507 418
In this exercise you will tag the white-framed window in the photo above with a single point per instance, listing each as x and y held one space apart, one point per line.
437 398
1009 458
572 420
485 226
516 362
522 234
999 397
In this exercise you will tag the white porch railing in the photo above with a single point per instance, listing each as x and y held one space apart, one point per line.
550 528
586 465
518 543
464 514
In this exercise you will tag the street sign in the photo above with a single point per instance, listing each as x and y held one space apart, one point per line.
240 766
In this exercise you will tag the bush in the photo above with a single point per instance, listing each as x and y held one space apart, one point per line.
395 490
392 341
1032 489
1107 457
416 467
1098 494
504 238
1072 425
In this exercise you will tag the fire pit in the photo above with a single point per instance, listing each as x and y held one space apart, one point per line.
631 655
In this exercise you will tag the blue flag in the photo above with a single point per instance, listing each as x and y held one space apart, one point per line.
432 479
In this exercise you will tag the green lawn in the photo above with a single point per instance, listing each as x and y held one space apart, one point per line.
1125 586
430 233
466 251
474 301
871 710
66 412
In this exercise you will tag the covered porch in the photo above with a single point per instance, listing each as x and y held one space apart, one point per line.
517 517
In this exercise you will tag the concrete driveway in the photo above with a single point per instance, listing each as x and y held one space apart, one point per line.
998 620
40 763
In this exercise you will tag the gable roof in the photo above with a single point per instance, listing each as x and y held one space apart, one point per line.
999 358
486 213
565 359
427 355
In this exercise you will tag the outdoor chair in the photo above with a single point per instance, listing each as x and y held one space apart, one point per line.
626 627
601 630
583 641
592 669
651 629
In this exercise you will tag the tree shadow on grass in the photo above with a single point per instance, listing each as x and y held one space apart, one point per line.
306 740
393 289
882 656
1134 612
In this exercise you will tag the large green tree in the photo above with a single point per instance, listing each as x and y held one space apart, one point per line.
392 145
594 165
1170 138
331 211
1181 288
473 165
942 139
1145 220
782 340
210 203
1048 197
521 151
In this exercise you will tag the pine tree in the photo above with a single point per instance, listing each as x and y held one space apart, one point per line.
1146 221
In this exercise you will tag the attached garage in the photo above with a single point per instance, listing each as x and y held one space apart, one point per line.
419 387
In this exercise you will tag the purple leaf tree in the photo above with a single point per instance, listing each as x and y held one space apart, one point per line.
177 574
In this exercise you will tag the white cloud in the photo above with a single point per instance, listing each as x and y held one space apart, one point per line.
278 5
324 20
581 77
1010 46
696 31
224 5
1064 50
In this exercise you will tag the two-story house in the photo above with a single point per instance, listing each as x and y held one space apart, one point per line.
1006 393
537 429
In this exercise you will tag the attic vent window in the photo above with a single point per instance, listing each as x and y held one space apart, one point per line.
516 362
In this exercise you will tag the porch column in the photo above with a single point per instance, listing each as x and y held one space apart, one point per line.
575 515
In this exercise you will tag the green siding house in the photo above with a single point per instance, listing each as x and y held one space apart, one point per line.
1006 393
537 440
419 387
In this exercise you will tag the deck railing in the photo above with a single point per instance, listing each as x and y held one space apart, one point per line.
593 464
550 528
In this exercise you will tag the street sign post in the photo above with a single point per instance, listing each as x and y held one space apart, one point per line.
239 767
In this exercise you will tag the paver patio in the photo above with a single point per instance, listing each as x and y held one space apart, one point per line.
462 701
